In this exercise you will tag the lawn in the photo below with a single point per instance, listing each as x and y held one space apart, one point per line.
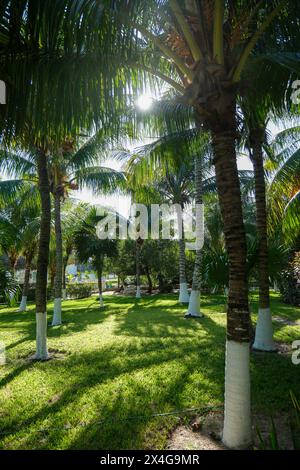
115 370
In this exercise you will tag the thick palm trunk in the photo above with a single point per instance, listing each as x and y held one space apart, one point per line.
237 417
99 275
138 268
183 289
194 301
23 304
264 328
58 261
64 287
42 260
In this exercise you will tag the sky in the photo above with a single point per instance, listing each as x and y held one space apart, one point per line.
120 203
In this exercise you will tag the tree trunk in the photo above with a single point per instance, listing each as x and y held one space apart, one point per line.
64 288
183 289
138 268
58 260
194 302
99 275
220 118
23 304
237 417
264 328
42 260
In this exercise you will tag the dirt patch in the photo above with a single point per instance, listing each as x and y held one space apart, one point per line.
204 433
54 399
284 349
56 354
284 321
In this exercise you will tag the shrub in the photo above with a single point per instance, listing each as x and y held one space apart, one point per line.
9 288
289 282
79 291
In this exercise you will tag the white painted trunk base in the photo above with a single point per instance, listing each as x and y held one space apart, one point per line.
101 301
194 305
57 312
138 292
184 296
64 294
264 331
23 304
237 414
41 337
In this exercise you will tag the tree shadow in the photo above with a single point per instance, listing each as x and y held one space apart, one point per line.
128 411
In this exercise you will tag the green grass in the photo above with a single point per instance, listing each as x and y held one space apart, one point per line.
121 365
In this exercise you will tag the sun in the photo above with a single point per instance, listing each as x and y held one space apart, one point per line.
144 102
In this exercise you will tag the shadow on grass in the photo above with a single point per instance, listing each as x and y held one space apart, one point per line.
173 363
127 413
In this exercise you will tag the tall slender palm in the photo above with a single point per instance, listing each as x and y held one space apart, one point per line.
36 61
258 108
21 219
284 193
194 303
73 215
167 163
68 169
90 248
201 50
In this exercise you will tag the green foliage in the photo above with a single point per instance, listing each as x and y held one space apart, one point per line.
8 286
272 442
158 257
89 247
146 353
79 291
289 282
295 422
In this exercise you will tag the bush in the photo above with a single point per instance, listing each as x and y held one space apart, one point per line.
79 291
31 293
289 282
9 287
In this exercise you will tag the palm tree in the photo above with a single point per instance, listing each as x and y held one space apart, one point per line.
194 303
258 108
21 219
284 192
167 165
68 170
73 215
36 65
90 248
201 50
173 181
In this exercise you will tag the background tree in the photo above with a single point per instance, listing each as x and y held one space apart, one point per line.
90 248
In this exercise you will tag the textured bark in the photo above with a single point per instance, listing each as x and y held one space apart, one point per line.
194 301
181 244
256 142
43 247
99 275
196 286
65 263
138 265
58 247
223 140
